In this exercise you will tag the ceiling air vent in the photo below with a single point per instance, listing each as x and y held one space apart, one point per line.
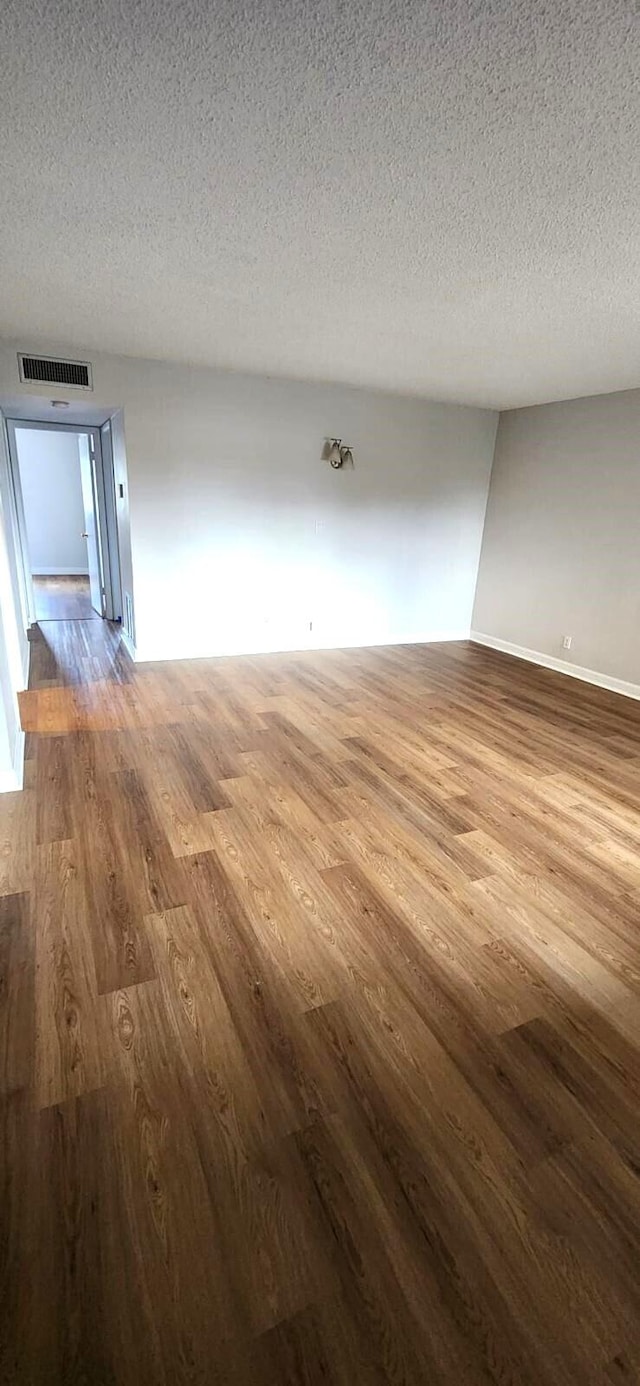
48 370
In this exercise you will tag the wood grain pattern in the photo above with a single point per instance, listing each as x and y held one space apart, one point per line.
63 599
320 1022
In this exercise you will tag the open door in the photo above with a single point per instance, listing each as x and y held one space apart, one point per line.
91 526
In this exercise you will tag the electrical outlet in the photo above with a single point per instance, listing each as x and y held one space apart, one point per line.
566 642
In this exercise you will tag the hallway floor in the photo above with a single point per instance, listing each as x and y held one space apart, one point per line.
63 599
320 1022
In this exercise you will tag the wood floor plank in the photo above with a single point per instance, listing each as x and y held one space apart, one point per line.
319 1021
203 1028
174 1224
54 797
107 864
17 837
17 994
67 1059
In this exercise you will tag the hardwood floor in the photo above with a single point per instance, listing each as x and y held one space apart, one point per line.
63 599
320 1022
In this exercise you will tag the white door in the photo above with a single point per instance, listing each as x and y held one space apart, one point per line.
91 531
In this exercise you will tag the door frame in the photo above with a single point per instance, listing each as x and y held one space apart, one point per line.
111 520
104 485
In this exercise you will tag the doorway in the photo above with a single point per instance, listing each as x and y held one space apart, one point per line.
65 499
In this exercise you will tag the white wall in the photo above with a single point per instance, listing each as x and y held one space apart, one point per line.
241 536
14 647
52 495
561 546
123 522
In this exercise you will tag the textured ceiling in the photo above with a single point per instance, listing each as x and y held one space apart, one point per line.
436 198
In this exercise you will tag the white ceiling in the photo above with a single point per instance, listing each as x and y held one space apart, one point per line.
436 198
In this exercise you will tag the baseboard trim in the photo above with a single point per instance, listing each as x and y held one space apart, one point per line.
145 656
560 666
59 572
128 645
13 779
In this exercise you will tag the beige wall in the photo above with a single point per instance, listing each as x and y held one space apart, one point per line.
561 545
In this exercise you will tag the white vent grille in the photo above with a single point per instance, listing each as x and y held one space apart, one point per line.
49 370
128 617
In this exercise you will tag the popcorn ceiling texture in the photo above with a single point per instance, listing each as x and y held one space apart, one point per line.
437 198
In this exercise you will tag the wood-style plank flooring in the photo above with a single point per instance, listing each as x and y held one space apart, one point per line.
63 599
320 1022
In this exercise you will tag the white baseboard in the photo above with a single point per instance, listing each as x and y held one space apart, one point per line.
128 645
575 671
25 663
59 572
14 778
155 656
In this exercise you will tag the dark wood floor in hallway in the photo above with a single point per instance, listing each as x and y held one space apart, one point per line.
63 599
319 1022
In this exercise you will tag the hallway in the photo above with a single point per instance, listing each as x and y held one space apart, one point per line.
320 1021
63 599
